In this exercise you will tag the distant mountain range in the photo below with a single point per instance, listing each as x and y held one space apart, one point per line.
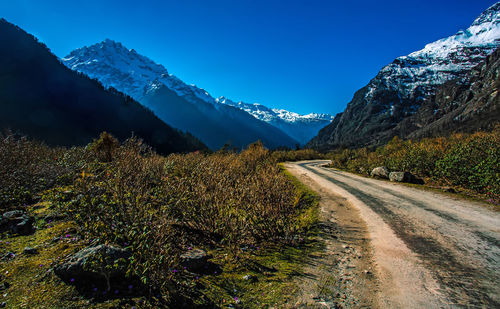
45 100
300 127
378 111
215 121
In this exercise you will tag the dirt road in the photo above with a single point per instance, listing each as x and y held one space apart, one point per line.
423 249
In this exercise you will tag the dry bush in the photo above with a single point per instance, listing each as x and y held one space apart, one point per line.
159 206
297 155
235 198
29 167
105 147
120 202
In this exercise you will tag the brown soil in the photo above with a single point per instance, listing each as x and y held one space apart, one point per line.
425 249
341 275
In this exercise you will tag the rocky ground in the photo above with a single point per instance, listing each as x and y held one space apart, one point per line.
341 274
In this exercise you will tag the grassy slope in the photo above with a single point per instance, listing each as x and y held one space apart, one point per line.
271 267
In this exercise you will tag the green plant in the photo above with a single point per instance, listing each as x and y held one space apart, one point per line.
470 161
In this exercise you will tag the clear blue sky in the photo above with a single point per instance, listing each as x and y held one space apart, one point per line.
305 56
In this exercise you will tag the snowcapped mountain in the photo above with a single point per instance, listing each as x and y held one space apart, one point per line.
399 88
443 60
300 127
138 76
40 97
183 106
124 69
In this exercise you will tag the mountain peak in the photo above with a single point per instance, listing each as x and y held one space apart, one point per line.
399 89
491 15
138 76
119 67
111 42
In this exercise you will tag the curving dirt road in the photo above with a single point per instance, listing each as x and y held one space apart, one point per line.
425 249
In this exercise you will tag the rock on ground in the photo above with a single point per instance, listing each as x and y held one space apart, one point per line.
400 176
381 172
17 222
78 266
194 260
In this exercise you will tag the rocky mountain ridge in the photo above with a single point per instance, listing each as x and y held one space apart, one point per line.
401 87
459 107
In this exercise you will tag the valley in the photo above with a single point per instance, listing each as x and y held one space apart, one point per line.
124 186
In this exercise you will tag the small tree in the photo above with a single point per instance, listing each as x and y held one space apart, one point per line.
105 147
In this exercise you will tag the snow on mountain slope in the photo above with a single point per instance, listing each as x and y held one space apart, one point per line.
399 88
138 76
124 69
183 106
443 60
300 127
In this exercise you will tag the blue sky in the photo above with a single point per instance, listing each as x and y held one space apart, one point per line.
304 56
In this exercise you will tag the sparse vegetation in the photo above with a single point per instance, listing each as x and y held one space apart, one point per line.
242 208
29 167
297 155
467 161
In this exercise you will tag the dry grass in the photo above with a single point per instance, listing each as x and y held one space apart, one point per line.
158 206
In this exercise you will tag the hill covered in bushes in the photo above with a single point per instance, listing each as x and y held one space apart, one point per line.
42 98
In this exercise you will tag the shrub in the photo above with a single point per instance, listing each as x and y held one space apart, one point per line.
297 155
473 162
467 160
29 167
104 147
159 206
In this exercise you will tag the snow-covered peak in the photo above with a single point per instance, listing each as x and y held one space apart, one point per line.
292 117
116 66
300 127
267 114
490 15
416 75
484 32
124 69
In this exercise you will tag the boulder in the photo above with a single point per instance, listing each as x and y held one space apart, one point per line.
8 256
78 267
249 278
380 172
23 225
194 260
400 176
17 222
13 214
30 250
405 177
